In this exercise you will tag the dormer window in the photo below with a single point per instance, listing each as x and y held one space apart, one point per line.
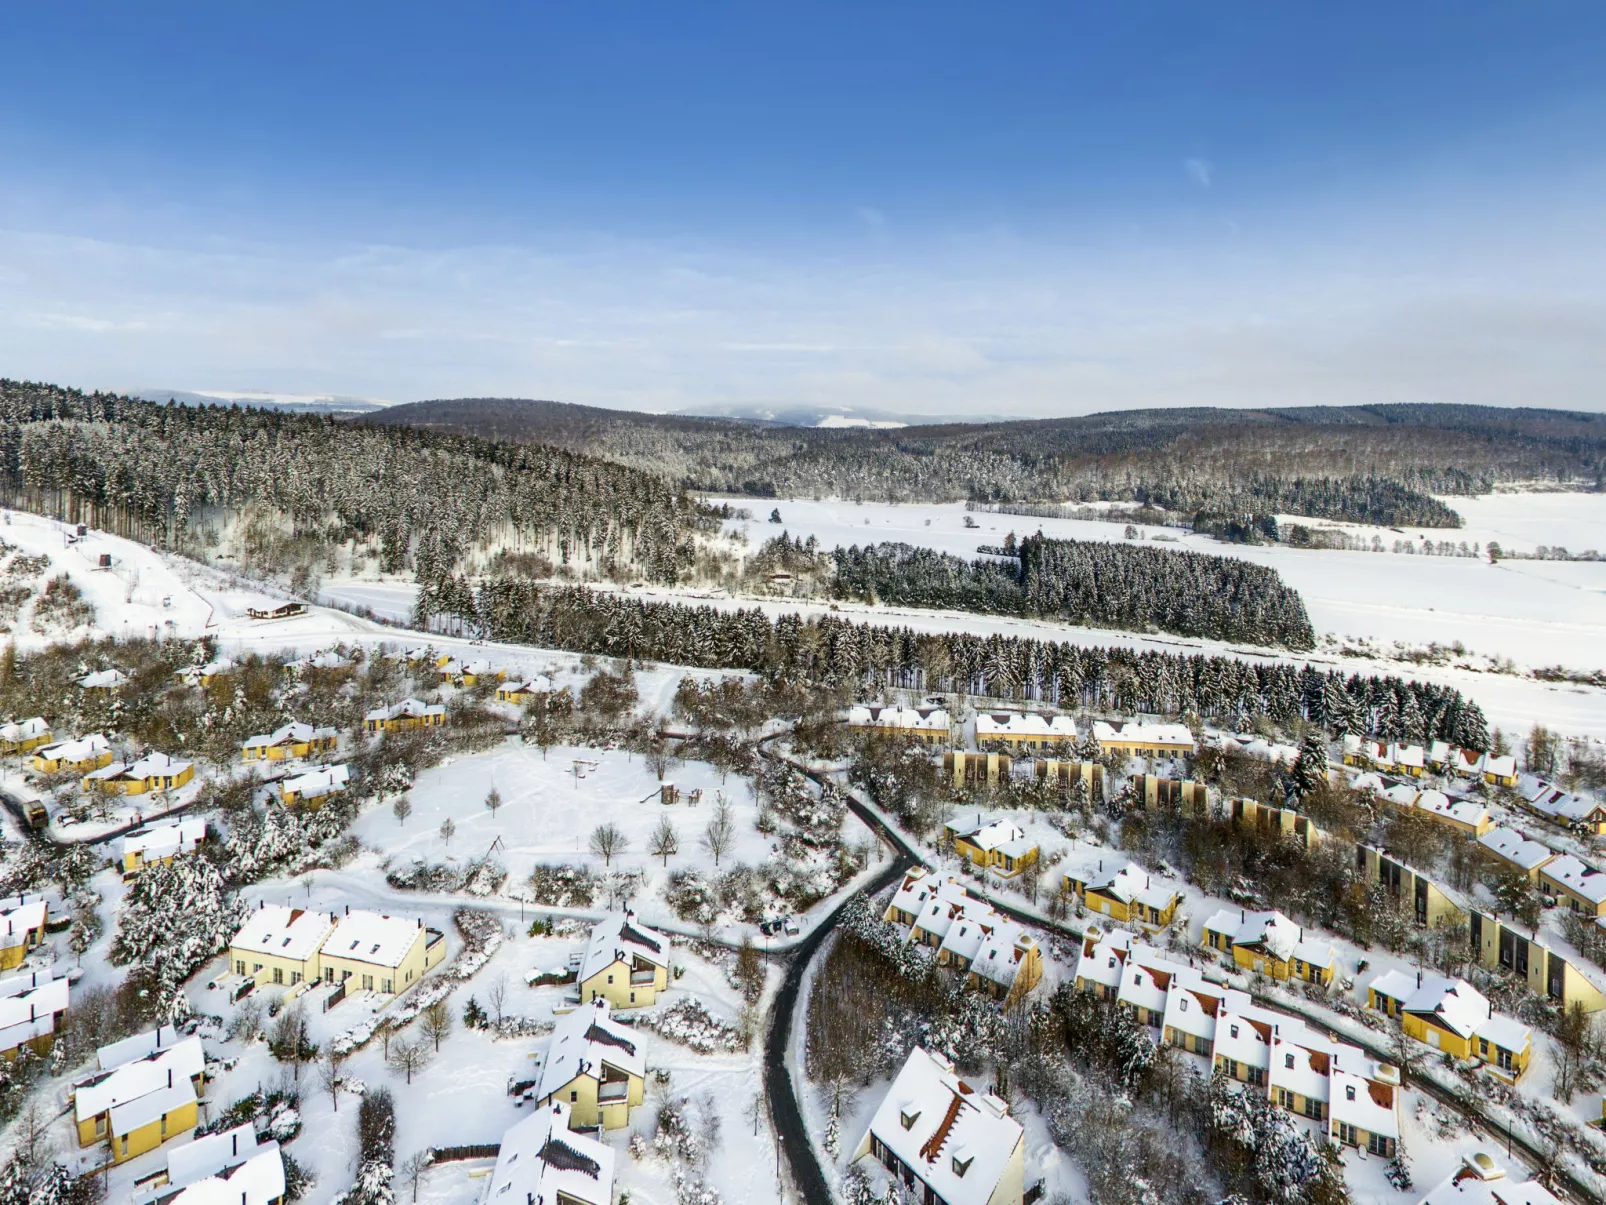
961 1166
1288 1061
909 1119
1349 1092
1235 1031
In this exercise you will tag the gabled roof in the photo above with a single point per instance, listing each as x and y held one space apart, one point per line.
924 719
293 934
1272 932
1582 880
538 685
103 679
21 915
115 1054
146 1076
293 733
406 709
373 937
316 783
164 840
1002 953
82 749
129 1115
620 937
1511 846
1368 1105
956 1139
211 1153
28 1008
152 765
1454 1003
583 1041
26 730
1024 724
1192 1005
542 1158
988 835
1143 733
256 1180
1482 1182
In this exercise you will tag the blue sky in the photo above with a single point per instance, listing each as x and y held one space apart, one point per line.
955 209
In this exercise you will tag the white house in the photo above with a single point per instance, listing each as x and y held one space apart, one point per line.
946 1140
227 1168
31 1006
1482 1181
1029 728
543 1160
1141 739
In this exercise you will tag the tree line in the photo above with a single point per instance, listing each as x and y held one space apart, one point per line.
830 651
1090 583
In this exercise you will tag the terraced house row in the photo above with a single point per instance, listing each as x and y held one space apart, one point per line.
293 947
1355 1096
996 955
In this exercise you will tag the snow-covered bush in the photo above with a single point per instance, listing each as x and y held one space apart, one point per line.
562 886
692 897
175 917
688 1022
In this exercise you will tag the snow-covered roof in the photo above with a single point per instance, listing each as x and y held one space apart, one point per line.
142 1077
1563 806
1454 1003
957 1140
1368 1105
1504 766
582 1042
988 835
542 1158
1369 781
103 679
620 937
1030 725
82 749
1511 846
1191 1006
211 1153
1505 1032
316 783
1303 1064
1481 1181
21 916
1582 880
406 709
1407 756
921 719
129 1115
538 685
1137 732
115 1054
328 659
1243 1033
163 840
373 937
294 934
257 1180
152 765
221 665
28 1008
1103 959
1146 986
293 733
1273 932
1461 811
1004 949
1395 984
26 730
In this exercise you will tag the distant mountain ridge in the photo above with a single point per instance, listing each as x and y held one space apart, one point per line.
261 400
1378 460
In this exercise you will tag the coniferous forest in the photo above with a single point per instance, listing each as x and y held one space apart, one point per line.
425 499
1088 583
831 651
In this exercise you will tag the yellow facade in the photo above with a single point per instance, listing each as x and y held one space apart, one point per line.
512 694
495 675
1153 790
406 723
624 985
140 786
1496 944
995 859
606 1102
44 765
1117 909
1418 894
1028 974
264 969
136 1142
1259 961
975 769
290 749
11 748
376 977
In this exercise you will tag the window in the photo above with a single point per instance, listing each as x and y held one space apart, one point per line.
574 1096
1285 1098
1348 1134
961 1166
278 974
295 978
1379 1145
1288 1061
388 985
908 1119
239 967
256 967
367 983
1235 1031
1349 1091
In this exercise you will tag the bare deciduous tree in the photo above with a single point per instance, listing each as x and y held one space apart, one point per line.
496 996
608 841
330 1079
720 834
413 1169
401 809
665 842
408 1057
448 830
493 801
436 1022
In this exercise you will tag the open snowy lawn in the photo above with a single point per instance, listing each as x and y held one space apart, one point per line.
551 805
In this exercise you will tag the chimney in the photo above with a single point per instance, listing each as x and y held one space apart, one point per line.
169 1077
1419 979
234 1144
1241 916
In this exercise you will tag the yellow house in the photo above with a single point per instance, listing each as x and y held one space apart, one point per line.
527 691
1024 729
1152 791
625 963
22 927
1138 739
929 725
31 1011
1452 1016
1498 944
102 679
291 740
1429 903
1124 893
153 772
381 953
1275 823
595 1066
136 1105
309 790
1580 887
404 717
161 843
1268 943
205 675
1463 816
975 769
473 673
80 756
1000 845
280 945
1508 847
23 736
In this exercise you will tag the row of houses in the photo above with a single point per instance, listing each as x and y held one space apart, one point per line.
1269 943
1023 730
294 946
227 1167
32 1008
996 956
1579 813
1124 892
22 927
1452 1016
1393 757
1354 1097
1464 816
146 1090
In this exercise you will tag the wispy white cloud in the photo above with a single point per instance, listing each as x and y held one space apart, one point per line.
1201 171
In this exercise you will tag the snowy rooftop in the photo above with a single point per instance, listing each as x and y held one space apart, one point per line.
1028 724
152 765
293 733
989 835
957 1140
116 1054
1005 948
209 1155
129 1115
364 936
143 1077
319 782
27 730
542 1158
538 685
293 934
1272 932
1437 803
922 719
1133 731
621 937
1455 1003
1367 1105
78 750
28 1008
164 840
1483 1182
103 679
1513 847
582 1042
257 1180
21 916
1578 878
406 709
1192 1005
